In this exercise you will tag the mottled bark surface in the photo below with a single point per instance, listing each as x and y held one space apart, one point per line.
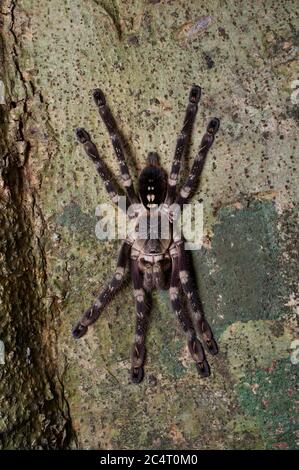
58 393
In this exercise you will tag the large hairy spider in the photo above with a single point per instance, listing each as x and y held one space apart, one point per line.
155 262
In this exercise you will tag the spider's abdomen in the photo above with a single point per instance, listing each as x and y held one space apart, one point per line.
153 238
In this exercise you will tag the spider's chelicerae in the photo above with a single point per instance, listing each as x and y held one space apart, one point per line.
154 262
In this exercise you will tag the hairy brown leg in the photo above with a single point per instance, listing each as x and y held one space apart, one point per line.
192 180
191 292
111 126
182 142
93 313
92 152
143 305
194 345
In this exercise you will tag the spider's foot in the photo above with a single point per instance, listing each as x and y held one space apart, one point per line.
99 97
203 368
82 135
195 94
137 374
207 336
211 346
196 350
79 331
213 126
137 355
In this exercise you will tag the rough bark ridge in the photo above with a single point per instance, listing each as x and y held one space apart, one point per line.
34 412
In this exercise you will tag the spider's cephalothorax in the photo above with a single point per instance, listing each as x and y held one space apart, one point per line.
156 257
152 183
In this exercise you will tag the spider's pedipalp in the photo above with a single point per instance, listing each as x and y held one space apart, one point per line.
115 138
92 152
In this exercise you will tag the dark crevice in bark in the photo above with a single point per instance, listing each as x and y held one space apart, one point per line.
34 409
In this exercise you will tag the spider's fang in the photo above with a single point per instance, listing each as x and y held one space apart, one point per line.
99 97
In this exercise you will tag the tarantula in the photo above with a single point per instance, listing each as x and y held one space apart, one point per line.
155 262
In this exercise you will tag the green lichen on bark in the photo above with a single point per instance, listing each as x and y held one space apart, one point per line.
276 413
242 261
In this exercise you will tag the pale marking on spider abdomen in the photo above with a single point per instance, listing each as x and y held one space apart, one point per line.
98 303
184 276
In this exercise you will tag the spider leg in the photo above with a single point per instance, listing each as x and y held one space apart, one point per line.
182 142
194 301
93 313
92 152
197 166
194 345
143 305
110 123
